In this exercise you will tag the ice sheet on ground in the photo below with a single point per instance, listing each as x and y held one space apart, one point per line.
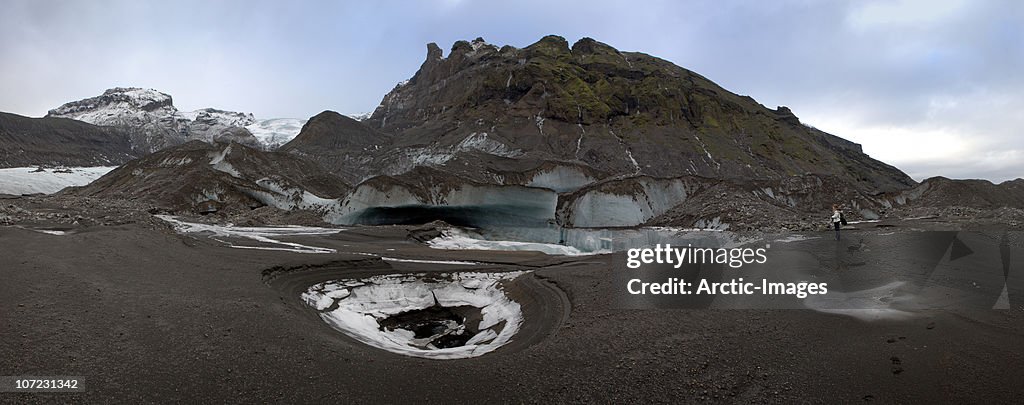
364 303
26 180
396 259
454 239
581 241
870 305
261 234
796 238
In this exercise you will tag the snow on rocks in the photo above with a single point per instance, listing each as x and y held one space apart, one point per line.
450 316
153 113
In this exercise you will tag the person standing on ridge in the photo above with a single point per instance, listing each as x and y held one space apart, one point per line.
837 218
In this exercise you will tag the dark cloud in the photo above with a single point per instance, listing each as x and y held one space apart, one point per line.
932 87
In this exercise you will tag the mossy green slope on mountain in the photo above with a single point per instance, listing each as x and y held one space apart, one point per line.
593 104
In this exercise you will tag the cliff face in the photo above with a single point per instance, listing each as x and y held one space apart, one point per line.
620 113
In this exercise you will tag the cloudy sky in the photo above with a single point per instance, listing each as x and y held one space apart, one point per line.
933 87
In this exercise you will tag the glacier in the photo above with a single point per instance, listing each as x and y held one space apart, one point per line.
31 180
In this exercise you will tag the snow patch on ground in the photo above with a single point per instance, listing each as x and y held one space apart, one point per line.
868 305
796 238
453 239
267 235
26 180
356 307
395 259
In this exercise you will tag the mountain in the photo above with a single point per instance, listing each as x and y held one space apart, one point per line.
153 122
621 138
483 110
545 136
340 142
60 142
207 177
622 113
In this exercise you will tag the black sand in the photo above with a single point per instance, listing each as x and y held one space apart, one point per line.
145 315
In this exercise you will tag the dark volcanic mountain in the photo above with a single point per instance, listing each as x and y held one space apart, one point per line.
619 113
204 177
616 139
339 141
60 142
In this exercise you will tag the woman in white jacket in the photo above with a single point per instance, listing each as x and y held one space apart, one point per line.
837 217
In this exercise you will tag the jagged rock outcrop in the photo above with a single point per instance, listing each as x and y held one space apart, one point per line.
60 142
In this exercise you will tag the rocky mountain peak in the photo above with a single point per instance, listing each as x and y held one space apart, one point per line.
590 46
618 112
153 122
551 45
121 98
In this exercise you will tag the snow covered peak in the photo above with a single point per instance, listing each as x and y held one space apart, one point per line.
115 104
363 116
146 99
155 123
213 115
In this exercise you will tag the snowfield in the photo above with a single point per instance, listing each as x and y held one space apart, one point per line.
274 132
27 180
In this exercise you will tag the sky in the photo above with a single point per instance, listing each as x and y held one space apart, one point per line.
931 87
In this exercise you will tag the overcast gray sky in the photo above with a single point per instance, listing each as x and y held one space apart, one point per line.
933 87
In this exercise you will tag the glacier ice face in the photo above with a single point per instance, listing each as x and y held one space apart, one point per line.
366 310
470 204
561 179
627 202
